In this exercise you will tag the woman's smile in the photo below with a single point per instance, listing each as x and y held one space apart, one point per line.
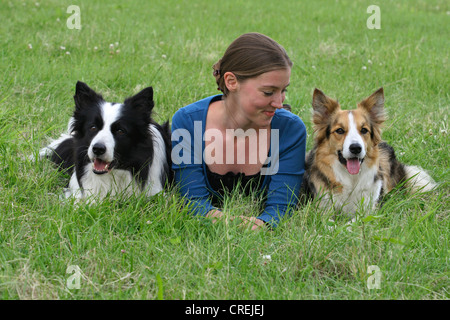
270 114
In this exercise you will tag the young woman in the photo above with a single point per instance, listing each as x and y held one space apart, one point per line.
242 138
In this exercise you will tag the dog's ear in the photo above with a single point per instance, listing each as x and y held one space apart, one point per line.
142 101
323 107
85 96
374 105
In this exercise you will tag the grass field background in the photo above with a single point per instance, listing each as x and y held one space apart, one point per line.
152 249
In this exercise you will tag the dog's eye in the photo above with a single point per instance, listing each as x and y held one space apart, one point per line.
340 131
93 128
364 130
120 132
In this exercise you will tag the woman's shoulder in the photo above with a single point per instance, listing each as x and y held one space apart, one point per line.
192 112
197 106
287 120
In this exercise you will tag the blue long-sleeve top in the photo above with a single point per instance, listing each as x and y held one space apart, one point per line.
282 175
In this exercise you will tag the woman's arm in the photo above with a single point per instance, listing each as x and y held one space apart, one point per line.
284 186
188 169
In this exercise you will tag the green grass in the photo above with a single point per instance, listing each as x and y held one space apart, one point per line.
152 249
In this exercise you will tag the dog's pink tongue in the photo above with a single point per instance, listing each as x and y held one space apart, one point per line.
353 166
100 165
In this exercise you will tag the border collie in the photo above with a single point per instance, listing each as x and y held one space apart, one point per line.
112 148
349 164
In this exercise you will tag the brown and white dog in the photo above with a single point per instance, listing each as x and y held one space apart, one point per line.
350 165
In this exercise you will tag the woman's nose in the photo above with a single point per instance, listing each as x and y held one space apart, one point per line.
278 101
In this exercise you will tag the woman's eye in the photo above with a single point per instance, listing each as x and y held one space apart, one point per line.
340 131
268 94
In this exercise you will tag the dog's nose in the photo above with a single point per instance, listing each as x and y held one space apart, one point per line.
355 148
98 149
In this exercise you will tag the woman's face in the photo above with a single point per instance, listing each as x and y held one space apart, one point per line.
258 98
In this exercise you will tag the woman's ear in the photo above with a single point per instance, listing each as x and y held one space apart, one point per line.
230 81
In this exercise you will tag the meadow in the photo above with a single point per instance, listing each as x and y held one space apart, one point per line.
151 248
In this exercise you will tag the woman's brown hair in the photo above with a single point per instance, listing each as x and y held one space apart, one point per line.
250 55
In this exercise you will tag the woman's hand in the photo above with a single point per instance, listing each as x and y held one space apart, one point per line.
214 215
247 222
253 223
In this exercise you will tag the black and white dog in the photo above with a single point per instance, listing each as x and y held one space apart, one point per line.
112 148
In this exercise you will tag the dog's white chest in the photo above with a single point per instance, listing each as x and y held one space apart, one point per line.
113 183
117 182
359 192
